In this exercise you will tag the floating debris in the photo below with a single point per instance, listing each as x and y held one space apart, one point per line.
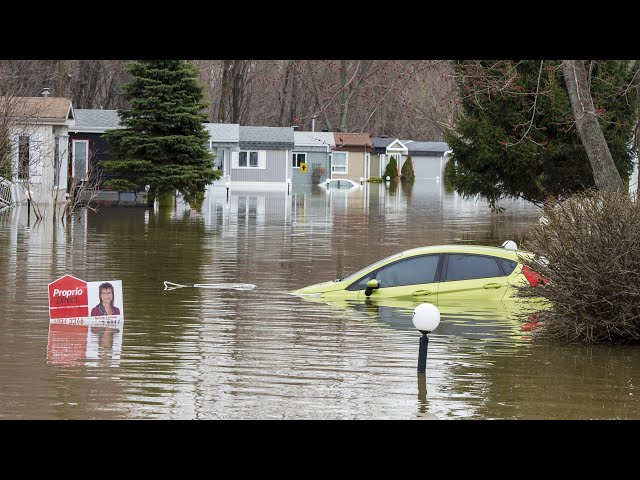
229 286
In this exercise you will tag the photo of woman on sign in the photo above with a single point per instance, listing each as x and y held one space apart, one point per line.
105 307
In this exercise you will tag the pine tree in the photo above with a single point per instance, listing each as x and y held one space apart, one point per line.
407 172
163 142
517 136
392 169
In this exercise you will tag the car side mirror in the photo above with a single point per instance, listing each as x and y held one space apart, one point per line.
371 286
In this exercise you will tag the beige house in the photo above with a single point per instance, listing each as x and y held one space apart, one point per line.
351 156
37 134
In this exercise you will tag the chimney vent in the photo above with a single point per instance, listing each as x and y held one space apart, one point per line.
45 92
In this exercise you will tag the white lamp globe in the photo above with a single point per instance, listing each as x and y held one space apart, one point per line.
388 178
227 184
510 245
288 180
426 317
361 179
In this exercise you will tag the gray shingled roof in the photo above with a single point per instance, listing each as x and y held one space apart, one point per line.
267 134
313 139
94 120
425 146
382 142
223 132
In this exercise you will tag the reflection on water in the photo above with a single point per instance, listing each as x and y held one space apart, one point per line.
262 353
84 344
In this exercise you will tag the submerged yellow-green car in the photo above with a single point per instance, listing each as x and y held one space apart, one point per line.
435 274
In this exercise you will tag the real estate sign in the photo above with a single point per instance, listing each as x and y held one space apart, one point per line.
75 302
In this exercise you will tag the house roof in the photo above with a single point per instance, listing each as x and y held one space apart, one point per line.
425 146
314 139
382 142
38 109
223 132
267 134
352 139
95 120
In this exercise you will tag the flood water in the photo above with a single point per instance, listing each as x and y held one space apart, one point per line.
223 353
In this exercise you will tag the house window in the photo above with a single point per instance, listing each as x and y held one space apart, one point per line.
339 162
248 160
299 158
80 159
23 157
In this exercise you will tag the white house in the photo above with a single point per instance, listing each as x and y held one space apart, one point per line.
38 134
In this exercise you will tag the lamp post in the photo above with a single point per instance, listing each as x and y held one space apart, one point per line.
426 317
288 185
361 180
228 185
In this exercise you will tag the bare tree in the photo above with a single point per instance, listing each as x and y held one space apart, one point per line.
402 98
93 83
605 173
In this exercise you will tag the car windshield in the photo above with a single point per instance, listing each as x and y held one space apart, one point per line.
368 268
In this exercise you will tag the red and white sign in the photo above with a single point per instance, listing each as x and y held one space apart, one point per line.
68 298
75 302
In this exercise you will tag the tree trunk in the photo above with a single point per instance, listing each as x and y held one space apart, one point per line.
636 138
225 91
62 80
319 102
284 118
239 89
605 173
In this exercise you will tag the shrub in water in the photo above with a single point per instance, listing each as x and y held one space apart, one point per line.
588 248
407 172
392 169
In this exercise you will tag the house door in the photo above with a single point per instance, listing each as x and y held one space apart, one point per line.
219 161
80 165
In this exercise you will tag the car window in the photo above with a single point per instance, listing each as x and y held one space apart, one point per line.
371 267
410 271
362 283
466 267
508 266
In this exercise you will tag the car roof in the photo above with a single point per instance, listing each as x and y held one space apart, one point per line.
473 249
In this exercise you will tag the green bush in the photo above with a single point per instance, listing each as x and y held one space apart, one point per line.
407 173
449 175
392 169
375 180
590 244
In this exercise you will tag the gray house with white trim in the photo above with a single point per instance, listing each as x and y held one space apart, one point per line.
383 149
312 149
265 155
224 142
429 158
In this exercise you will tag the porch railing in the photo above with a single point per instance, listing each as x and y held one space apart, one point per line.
6 197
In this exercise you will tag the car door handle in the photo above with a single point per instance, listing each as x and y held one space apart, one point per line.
420 293
492 285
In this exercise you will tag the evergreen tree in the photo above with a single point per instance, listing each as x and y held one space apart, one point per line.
517 136
163 142
407 173
392 169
